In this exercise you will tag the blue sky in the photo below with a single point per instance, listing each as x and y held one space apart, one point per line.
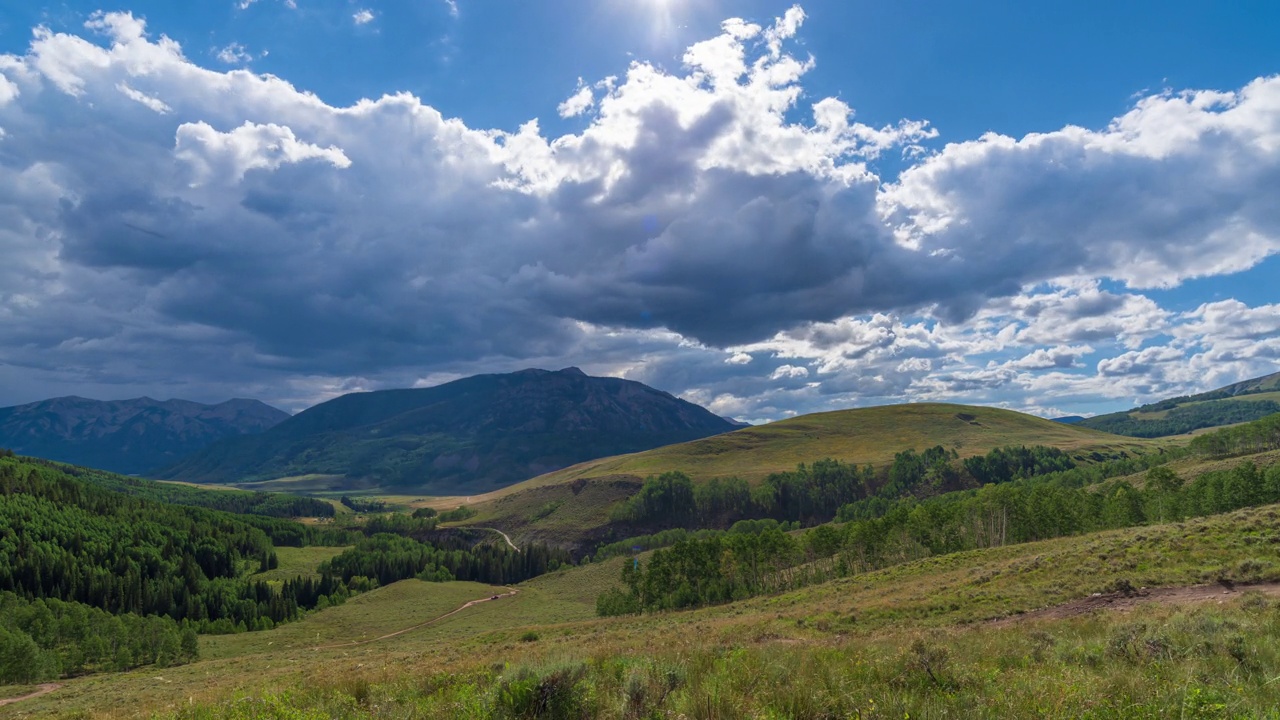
797 211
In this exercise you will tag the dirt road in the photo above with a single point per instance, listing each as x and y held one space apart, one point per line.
504 535
44 689
455 611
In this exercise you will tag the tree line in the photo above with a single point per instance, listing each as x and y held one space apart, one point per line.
667 538
234 501
386 558
144 577
47 638
812 493
65 539
706 570
1254 437
1178 420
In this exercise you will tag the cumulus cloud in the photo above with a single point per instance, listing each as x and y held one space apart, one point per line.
1061 356
232 229
789 372
227 156
364 16
577 103
234 54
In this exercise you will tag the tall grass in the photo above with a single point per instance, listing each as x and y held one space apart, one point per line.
1205 661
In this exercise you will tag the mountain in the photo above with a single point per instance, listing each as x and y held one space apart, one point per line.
127 436
1069 419
581 496
1236 403
470 435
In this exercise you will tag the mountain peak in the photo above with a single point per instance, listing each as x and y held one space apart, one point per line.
465 436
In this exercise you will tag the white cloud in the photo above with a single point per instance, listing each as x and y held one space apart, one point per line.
577 103
244 4
1139 361
1060 357
234 54
1169 191
226 157
8 90
364 16
453 7
789 372
151 103
700 219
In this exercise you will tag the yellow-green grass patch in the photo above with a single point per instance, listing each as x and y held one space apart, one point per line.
295 562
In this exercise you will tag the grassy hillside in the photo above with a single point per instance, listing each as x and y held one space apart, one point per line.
575 501
866 435
1241 402
930 638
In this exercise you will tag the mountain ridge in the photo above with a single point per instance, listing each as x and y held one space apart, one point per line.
475 433
1243 401
131 436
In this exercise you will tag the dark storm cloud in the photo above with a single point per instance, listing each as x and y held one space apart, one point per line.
163 220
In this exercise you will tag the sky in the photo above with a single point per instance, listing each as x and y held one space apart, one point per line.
766 208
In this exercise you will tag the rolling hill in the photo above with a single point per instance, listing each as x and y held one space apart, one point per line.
470 435
127 436
1236 403
582 494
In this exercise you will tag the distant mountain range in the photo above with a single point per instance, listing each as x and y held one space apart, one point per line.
127 436
1236 403
468 436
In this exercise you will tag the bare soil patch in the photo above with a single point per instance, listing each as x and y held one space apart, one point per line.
44 689
1124 601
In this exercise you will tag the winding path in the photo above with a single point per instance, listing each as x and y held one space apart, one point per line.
455 611
44 689
478 527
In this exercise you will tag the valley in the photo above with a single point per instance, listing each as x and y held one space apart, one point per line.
920 560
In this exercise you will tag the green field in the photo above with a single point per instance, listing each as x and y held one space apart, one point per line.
364 617
295 562
858 633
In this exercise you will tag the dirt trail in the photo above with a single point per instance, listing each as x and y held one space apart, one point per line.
1127 601
504 535
455 611
44 689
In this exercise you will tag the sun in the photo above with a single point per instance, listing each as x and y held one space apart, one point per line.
663 18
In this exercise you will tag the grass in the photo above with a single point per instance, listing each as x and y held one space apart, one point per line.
364 617
587 491
869 637
298 561
298 484
868 435
12 691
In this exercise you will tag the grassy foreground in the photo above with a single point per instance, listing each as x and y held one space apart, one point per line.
932 638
